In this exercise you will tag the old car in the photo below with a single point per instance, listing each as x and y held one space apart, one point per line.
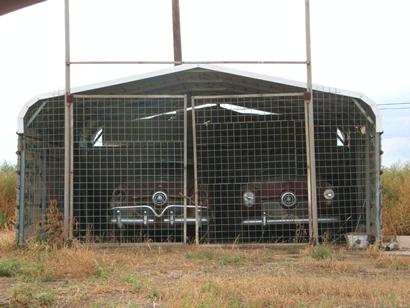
158 199
285 201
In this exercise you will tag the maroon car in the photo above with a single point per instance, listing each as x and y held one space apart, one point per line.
285 201
157 200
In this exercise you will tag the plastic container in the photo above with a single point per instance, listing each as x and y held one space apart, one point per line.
357 240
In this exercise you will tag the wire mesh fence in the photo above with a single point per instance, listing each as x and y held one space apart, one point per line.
135 157
41 166
344 144
129 168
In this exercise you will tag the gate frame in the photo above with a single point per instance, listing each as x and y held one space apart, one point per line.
69 227
313 223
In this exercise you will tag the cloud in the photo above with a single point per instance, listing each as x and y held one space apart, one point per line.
396 149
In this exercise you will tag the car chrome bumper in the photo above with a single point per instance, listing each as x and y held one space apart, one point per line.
150 221
122 215
267 221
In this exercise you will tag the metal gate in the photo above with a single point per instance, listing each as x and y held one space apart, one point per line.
131 169
251 157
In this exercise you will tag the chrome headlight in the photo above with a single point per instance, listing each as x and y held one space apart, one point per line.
248 198
329 194
159 198
288 200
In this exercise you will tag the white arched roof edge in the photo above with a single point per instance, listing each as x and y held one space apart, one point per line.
185 67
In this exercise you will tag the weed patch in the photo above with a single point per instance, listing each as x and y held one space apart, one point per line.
103 272
47 298
154 294
321 252
200 255
29 295
23 296
9 268
135 283
231 260
27 272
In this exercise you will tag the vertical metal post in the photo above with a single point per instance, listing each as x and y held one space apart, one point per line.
185 167
194 148
43 193
67 130
367 181
22 182
310 138
378 187
176 31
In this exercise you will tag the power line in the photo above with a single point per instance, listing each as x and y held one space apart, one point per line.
393 104
399 108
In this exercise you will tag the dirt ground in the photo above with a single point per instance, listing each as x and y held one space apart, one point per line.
152 276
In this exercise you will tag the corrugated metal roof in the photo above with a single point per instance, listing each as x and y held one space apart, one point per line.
264 83
8 6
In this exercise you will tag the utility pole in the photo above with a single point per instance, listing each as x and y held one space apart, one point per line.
176 32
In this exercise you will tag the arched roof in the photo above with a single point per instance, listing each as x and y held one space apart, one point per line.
199 80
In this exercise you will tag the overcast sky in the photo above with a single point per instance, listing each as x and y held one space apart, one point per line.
358 45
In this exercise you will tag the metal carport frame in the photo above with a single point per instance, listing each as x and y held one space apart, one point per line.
68 194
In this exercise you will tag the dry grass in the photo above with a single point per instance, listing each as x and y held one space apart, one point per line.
396 199
82 276
8 181
7 241
54 228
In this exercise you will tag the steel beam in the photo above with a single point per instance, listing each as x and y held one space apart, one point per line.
176 32
22 182
185 167
377 157
367 180
195 154
188 62
68 129
310 138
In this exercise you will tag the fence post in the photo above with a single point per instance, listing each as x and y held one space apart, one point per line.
310 138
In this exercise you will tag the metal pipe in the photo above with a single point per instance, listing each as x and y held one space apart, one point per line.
43 193
67 130
34 116
20 239
310 138
248 95
194 148
126 96
377 149
176 32
367 181
185 167
188 62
